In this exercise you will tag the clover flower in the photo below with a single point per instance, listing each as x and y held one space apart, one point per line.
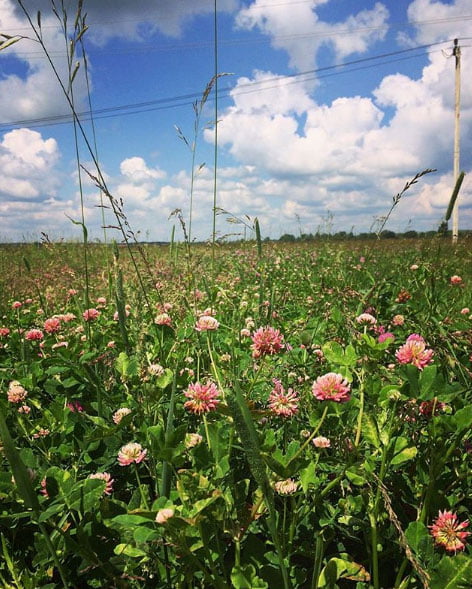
366 319
91 314
163 515
106 477
448 532
34 335
331 387
202 398
52 325
321 442
120 413
287 487
206 323
16 392
266 341
132 452
284 404
163 319
414 352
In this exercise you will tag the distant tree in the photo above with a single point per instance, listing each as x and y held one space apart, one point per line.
387 234
287 237
410 234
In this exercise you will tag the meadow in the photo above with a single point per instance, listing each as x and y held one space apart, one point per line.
250 415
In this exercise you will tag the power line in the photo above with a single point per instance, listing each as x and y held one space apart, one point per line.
249 87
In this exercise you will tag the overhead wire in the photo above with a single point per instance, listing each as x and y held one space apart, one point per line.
244 88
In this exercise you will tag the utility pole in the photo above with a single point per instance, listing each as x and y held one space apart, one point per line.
456 52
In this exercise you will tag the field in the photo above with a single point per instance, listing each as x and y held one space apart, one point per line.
254 415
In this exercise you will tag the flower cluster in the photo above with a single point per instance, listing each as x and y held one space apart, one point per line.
132 452
281 402
106 477
266 341
16 392
414 352
202 398
206 323
331 387
448 532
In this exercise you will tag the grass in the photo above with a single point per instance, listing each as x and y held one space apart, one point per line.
253 502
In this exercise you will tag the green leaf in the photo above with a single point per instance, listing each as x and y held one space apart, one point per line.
127 366
463 418
338 568
426 381
453 572
164 379
400 450
307 476
244 577
418 538
129 550
370 430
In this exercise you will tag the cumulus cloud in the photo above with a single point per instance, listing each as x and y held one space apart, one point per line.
37 92
297 29
27 165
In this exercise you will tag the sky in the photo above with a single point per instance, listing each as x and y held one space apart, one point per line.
322 111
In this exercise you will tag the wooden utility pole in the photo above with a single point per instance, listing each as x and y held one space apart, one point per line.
456 52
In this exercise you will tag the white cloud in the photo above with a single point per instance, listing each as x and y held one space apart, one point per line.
297 29
27 165
136 169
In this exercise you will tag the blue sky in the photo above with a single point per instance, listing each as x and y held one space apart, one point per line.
305 143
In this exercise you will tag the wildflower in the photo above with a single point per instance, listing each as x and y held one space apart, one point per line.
192 440
101 301
41 433
163 515
225 357
155 369
34 335
120 413
4 331
414 352
464 311
59 345
43 489
383 337
24 409
245 332
206 323
428 408
16 392
414 267
72 292
284 404
447 531
16 305
266 341
403 296
66 317
52 325
163 319
91 314
132 452
106 477
366 319
322 442
331 387
287 487
455 279
202 397
74 406
398 320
